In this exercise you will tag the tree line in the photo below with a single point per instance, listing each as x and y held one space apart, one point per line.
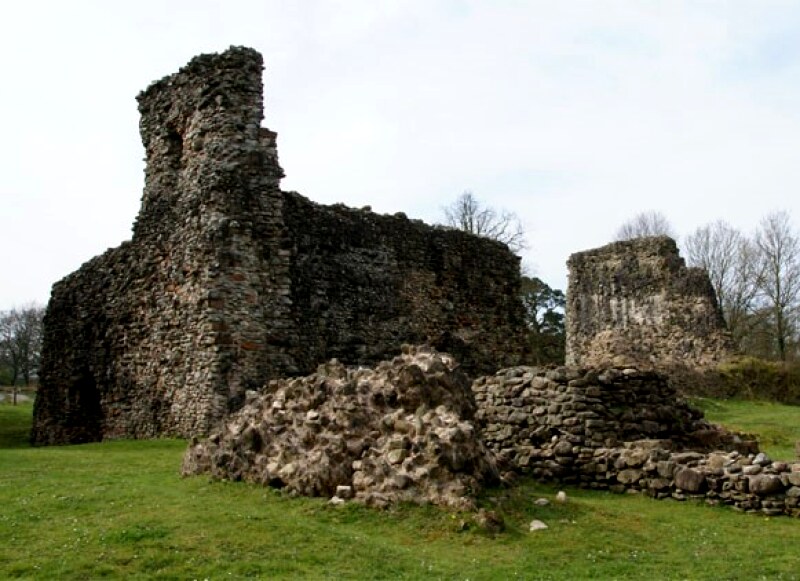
756 277
20 345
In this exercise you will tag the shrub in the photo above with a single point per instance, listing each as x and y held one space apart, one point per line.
746 378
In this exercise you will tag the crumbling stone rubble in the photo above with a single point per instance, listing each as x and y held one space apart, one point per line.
402 431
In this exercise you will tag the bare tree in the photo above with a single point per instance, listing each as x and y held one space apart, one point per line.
732 265
741 306
469 214
645 224
779 250
21 342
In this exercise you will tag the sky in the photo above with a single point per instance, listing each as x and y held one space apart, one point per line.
576 115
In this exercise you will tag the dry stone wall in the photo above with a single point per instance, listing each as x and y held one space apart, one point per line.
550 421
636 303
229 282
623 429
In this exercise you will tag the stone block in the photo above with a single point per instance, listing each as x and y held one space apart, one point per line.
690 480
765 484
629 476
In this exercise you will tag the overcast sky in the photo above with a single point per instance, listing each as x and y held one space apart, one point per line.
576 115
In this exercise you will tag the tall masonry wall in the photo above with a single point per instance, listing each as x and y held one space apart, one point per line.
229 281
635 303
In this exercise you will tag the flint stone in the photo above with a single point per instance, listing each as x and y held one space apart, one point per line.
762 459
537 525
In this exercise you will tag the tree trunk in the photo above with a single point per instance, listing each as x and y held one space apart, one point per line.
14 385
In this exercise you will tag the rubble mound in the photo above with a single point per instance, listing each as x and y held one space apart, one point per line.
400 432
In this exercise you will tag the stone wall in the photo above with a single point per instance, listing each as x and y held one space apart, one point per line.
636 303
623 429
229 282
363 284
528 413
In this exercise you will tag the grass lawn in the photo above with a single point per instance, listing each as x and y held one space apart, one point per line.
119 509
776 425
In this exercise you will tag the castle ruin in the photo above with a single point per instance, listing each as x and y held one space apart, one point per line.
230 284
229 281
635 303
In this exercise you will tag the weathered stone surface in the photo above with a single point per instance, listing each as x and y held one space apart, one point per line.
635 456
635 303
629 475
666 468
764 484
762 459
578 424
563 448
400 432
658 483
229 281
690 480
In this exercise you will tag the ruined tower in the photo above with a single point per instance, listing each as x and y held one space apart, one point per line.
636 303
229 281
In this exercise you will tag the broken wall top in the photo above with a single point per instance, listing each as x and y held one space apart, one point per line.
200 127
230 282
635 302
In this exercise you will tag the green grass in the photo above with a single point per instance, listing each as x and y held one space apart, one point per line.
776 425
120 510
